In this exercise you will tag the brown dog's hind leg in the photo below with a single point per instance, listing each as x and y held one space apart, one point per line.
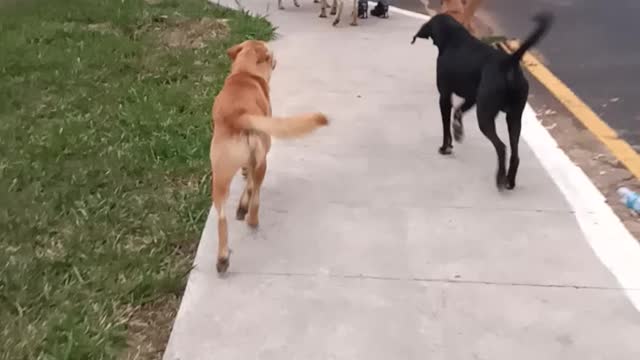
220 193
243 204
223 170
254 199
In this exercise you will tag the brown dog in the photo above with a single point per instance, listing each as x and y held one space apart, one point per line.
243 127
461 10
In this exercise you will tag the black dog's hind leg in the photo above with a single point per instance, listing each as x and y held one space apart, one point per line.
514 124
487 123
458 128
445 111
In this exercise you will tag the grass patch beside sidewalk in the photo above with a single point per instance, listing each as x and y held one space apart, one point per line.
104 171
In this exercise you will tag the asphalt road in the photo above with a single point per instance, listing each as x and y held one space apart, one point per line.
594 47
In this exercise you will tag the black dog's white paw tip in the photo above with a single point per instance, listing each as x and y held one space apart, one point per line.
501 183
445 150
458 131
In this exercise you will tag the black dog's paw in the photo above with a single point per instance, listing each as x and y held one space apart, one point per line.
501 182
445 150
511 184
458 128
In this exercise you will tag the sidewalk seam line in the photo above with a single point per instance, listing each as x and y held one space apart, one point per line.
431 280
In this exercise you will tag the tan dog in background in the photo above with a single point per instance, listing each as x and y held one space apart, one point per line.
461 10
295 2
243 127
336 9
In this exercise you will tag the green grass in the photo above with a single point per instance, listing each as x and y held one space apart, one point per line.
104 171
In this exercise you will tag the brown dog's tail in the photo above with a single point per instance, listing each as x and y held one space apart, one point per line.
285 127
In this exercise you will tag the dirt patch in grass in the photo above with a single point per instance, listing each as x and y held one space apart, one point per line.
194 33
143 343
104 173
103 28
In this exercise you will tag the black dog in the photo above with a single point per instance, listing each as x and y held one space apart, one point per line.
482 74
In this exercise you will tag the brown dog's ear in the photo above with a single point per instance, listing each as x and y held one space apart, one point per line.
233 51
262 53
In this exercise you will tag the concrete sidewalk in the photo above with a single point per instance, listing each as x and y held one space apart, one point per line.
374 246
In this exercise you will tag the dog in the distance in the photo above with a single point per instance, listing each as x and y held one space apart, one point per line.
461 10
336 9
295 2
243 126
483 76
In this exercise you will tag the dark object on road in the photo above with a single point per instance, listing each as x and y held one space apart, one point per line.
479 73
381 9
363 9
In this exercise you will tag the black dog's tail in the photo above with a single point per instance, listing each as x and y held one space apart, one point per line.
544 20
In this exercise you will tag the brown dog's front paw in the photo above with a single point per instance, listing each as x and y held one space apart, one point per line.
222 265
335 22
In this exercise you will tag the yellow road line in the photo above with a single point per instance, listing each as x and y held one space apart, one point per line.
620 148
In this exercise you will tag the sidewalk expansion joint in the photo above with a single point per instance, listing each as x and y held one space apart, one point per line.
432 280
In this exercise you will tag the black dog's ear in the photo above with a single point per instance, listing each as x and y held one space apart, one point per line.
423 33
